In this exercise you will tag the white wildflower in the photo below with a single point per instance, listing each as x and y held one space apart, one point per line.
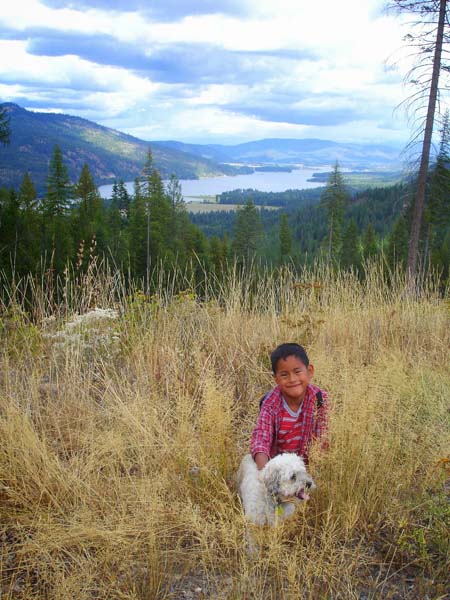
91 331
93 316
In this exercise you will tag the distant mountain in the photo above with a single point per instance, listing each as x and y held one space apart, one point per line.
216 152
109 153
309 152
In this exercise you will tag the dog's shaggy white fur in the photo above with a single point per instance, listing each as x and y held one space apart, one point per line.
272 493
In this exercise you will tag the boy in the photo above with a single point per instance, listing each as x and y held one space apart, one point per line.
294 413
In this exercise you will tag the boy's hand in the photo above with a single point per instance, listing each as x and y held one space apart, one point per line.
261 460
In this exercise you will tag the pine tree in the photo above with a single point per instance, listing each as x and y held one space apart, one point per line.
138 232
59 189
334 199
161 220
56 236
369 243
115 193
123 200
438 205
27 194
30 242
117 234
179 217
285 238
198 255
147 172
216 254
114 220
175 194
219 254
89 217
9 230
247 232
146 190
437 213
397 245
89 204
350 251
441 258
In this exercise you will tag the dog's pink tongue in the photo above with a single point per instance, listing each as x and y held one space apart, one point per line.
302 495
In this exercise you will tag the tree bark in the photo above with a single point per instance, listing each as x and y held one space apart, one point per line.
413 249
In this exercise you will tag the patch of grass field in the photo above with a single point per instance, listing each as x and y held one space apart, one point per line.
365 179
211 199
202 207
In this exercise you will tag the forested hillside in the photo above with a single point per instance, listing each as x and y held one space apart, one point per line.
71 225
109 153
373 222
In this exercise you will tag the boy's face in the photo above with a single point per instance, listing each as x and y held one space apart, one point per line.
293 377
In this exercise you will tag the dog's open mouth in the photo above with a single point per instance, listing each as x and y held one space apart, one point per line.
302 495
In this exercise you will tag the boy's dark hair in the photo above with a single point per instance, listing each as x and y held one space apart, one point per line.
285 350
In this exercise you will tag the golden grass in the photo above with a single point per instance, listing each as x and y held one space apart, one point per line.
196 207
117 462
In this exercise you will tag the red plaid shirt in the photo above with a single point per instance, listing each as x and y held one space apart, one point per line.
314 423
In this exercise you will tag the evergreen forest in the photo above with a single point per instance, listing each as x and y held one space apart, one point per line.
71 225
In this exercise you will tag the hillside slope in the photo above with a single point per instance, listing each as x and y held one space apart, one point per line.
109 153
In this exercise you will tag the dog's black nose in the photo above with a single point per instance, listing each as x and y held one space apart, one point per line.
308 484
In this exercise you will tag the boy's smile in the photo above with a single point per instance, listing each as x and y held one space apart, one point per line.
293 378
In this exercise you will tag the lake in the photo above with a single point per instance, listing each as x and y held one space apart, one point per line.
259 180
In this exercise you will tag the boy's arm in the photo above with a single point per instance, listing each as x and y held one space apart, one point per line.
321 422
262 438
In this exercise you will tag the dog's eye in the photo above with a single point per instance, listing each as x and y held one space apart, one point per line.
293 477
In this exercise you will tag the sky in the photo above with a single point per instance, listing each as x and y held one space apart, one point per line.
211 71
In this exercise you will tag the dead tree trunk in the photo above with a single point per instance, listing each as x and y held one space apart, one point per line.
413 249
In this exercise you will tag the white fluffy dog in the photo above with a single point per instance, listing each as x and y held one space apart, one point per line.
271 494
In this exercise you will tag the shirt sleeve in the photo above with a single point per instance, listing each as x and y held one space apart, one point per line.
320 430
262 436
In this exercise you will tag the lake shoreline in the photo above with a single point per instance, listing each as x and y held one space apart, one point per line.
263 181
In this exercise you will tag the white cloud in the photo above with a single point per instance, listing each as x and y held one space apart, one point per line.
218 95
344 46
23 14
106 88
194 125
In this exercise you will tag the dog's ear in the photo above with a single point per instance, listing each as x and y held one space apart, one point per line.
271 479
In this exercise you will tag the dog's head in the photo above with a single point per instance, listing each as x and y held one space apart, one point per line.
285 476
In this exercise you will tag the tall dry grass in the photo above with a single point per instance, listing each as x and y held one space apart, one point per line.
120 438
